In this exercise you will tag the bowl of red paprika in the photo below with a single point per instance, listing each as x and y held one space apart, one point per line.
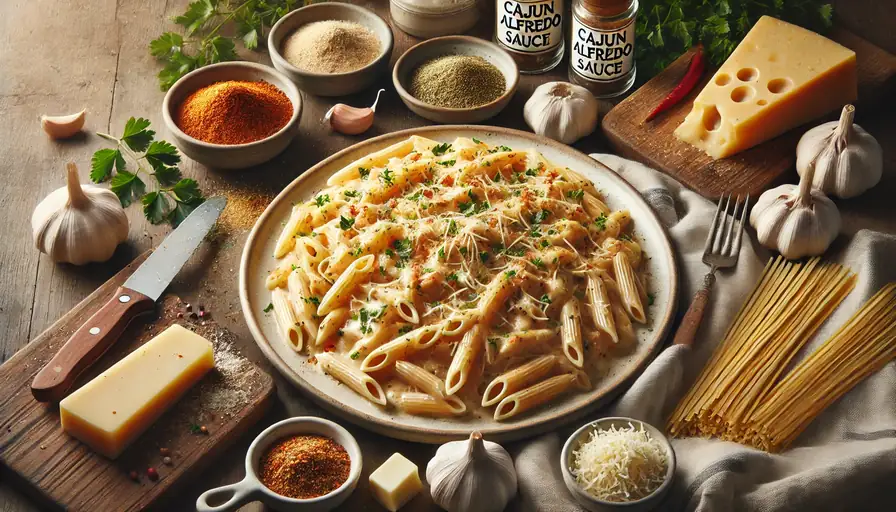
232 115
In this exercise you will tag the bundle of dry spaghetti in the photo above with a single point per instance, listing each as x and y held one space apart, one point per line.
861 347
782 313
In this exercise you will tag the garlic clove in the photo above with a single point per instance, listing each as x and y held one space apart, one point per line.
352 120
63 127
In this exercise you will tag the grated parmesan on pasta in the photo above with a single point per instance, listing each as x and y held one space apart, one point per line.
620 464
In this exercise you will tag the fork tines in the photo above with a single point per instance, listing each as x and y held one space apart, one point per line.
723 241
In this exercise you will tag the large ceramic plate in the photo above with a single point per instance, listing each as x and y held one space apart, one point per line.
257 261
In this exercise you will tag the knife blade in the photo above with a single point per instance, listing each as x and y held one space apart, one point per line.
138 295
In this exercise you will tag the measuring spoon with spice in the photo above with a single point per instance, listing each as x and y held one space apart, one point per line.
299 464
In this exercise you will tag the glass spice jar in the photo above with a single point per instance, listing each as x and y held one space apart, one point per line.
531 31
602 40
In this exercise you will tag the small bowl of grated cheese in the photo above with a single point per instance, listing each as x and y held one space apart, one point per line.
618 463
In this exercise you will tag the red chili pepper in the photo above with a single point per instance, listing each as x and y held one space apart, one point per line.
690 79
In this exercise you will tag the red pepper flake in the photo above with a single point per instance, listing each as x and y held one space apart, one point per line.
202 314
427 194
393 203
353 210
448 181
414 157
152 474
329 347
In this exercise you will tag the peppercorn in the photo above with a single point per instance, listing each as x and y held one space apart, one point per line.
152 474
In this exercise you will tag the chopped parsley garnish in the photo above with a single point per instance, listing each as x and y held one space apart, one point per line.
346 223
442 252
625 237
545 243
269 307
427 270
535 233
387 176
474 206
351 193
515 251
294 267
497 178
537 262
477 141
405 329
448 163
322 199
540 216
415 196
531 172
509 274
452 277
504 148
434 304
452 227
463 251
355 355
441 149
312 300
498 247
545 299
367 316
404 248
483 256
390 253
575 195
601 222
650 298
357 252
493 342
365 172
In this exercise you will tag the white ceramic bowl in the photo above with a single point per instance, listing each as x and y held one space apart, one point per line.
332 84
231 156
593 504
454 45
250 488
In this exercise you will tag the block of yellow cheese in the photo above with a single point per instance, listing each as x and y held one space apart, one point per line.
779 77
395 482
112 410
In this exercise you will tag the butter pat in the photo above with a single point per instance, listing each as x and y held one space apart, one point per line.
395 482
112 410
779 77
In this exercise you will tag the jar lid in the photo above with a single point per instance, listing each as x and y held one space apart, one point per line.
435 6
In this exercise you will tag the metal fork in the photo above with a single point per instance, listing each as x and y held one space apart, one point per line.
721 251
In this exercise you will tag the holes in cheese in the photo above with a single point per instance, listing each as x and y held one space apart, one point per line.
779 77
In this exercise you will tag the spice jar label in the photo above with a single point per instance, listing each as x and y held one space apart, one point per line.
529 26
602 55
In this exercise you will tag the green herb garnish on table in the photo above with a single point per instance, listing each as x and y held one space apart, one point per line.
667 28
138 153
202 42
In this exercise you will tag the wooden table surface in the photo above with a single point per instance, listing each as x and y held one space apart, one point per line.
59 57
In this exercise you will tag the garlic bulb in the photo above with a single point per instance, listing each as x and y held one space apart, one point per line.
847 160
471 476
79 223
796 220
561 111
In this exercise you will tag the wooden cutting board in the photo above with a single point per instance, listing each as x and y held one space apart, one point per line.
753 170
65 474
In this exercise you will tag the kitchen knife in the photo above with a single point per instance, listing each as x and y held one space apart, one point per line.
138 295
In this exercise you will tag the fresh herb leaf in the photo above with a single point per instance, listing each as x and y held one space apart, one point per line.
650 299
601 222
625 237
484 256
452 277
351 193
102 163
322 199
269 307
504 148
364 172
441 149
463 251
452 227
346 223
428 270
312 300
129 188
545 299
531 172
405 329
354 355
387 176
167 176
575 195
537 262
155 205
509 274
136 134
540 216
448 163
404 247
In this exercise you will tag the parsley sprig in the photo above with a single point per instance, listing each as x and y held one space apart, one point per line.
174 196
203 24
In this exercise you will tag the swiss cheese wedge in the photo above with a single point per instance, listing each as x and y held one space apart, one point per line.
779 77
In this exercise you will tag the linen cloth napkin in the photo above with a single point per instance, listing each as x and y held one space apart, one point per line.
845 460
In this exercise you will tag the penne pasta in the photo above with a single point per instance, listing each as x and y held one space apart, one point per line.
600 306
534 396
360 382
342 289
286 319
517 379
428 405
571 332
464 357
456 268
628 287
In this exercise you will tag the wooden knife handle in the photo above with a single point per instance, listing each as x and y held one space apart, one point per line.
88 343
690 324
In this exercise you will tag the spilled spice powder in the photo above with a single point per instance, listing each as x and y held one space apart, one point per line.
304 466
234 112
